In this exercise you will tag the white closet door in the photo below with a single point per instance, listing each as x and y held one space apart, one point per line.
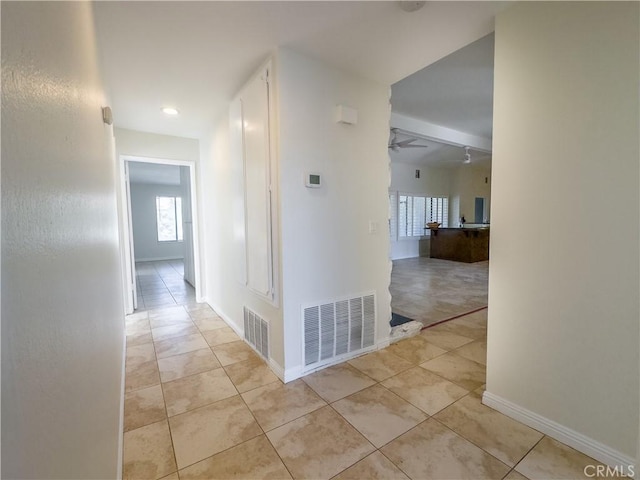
237 200
255 126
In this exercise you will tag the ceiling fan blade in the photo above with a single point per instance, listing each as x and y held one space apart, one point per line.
404 143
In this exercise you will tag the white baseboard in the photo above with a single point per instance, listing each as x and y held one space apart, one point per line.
275 367
580 442
291 374
158 259
227 319
279 371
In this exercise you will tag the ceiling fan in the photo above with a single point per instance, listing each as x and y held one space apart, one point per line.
395 144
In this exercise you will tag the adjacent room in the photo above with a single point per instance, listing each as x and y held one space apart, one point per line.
440 192
160 214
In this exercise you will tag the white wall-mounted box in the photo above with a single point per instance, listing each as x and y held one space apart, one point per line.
346 115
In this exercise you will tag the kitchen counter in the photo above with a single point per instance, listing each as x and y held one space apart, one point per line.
467 245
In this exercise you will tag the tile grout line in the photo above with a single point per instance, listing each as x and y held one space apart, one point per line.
376 382
480 447
166 412
265 434
241 398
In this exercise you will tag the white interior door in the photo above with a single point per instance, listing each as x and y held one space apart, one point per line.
187 226
130 257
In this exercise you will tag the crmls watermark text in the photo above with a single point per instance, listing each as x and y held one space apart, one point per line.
607 471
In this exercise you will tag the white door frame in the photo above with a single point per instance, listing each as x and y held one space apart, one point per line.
125 222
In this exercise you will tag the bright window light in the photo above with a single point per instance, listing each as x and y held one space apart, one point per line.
169 219
170 111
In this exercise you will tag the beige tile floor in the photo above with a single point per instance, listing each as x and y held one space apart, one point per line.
161 284
200 404
430 290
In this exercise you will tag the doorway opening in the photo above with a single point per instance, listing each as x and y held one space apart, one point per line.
159 222
440 192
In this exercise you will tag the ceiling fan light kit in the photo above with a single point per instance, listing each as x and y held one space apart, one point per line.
467 156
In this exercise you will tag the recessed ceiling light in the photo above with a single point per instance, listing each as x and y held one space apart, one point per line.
170 111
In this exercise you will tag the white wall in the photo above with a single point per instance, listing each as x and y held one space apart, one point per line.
62 311
433 181
143 217
327 250
564 279
143 144
223 195
467 183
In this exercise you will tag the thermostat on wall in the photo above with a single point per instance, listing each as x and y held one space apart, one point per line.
313 180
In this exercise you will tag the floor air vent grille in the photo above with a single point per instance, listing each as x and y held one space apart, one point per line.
336 328
256 332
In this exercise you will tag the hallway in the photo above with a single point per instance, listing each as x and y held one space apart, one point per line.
200 404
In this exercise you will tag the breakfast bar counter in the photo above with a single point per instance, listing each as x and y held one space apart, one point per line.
467 245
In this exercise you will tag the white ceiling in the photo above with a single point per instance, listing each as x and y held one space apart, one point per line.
455 92
196 55
142 172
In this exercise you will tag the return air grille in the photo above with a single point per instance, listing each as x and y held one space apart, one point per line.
256 332
335 328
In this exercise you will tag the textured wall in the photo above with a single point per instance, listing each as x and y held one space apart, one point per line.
62 312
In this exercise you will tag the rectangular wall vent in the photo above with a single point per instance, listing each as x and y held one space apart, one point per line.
256 332
335 328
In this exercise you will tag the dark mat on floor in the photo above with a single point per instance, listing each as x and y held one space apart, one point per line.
397 319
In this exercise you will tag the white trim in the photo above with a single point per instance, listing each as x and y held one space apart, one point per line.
404 257
580 442
279 371
123 158
126 237
122 392
294 373
195 234
236 328
160 161
299 371
289 374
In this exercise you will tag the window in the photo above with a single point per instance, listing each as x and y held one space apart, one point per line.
169 219
410 215
393 216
